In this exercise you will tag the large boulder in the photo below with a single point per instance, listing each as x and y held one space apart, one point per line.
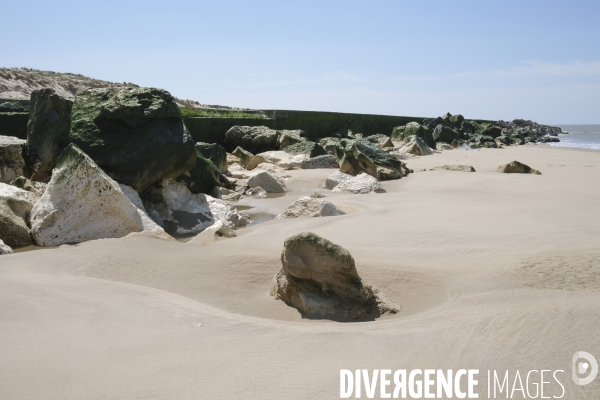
320 279
214 153
308 148
360 184
47 131
357 157
324 161
5 249
288 138
135 134
268 182
401 133
330 144
516 167
12 163
15 206
82 203
335 179
178 211
283 159
255 139
147 223
379 140
308 206
453 121
204 176
490 130
415 145
443 133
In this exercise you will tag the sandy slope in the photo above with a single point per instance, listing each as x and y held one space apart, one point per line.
493 271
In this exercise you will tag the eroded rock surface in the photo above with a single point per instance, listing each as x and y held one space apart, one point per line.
360 184
516 167
308 206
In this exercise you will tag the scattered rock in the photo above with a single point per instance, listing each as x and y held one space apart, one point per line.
172 206
15 206
357 157
379 140
267 182
82 203
204 176
288 138
516 167
255 162
360 184
319 278
462 168
415 145
231 159
256 192
5 249
330 145
283 159
47 131
12 163
218 230
134 198
443 146
335 179
254 139
414 129
238 172
307 148
324 161
215 153
268 167
309 206
443 133
135 134
223 211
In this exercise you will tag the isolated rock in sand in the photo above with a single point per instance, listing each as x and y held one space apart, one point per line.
214 153
218 230
516 167
307 148
462 168
31 186
319 278
172 206
82 203
309 206
243 155
15 205
283 159
360 184
323 161
5 249
136 134
256 192
334 179
252 138
12 163
268 182
415 145
47 131
223 211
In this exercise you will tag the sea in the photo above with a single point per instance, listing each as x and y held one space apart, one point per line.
581 136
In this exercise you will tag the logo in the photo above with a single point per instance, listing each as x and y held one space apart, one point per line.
581 367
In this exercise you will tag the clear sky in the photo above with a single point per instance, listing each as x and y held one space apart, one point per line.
538 60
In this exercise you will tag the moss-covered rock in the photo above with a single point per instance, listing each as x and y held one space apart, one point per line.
255 139
214 153
290 137
244 156
443 133
308 148
413 129
12 163
136 135
204 176
15 205
47 131
356 157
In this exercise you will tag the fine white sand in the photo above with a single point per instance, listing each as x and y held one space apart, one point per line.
492 271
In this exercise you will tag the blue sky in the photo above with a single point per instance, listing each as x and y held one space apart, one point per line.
499 60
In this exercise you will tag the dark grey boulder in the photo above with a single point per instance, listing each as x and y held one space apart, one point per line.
308 148
47 131
136 135
443 133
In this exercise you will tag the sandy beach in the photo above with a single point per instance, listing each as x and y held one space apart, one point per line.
492 271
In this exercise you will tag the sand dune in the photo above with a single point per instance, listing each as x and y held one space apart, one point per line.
492 271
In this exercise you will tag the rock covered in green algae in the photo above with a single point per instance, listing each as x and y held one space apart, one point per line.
357 157
400 133
47 131
135 134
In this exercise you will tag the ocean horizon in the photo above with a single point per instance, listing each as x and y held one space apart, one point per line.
580 136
